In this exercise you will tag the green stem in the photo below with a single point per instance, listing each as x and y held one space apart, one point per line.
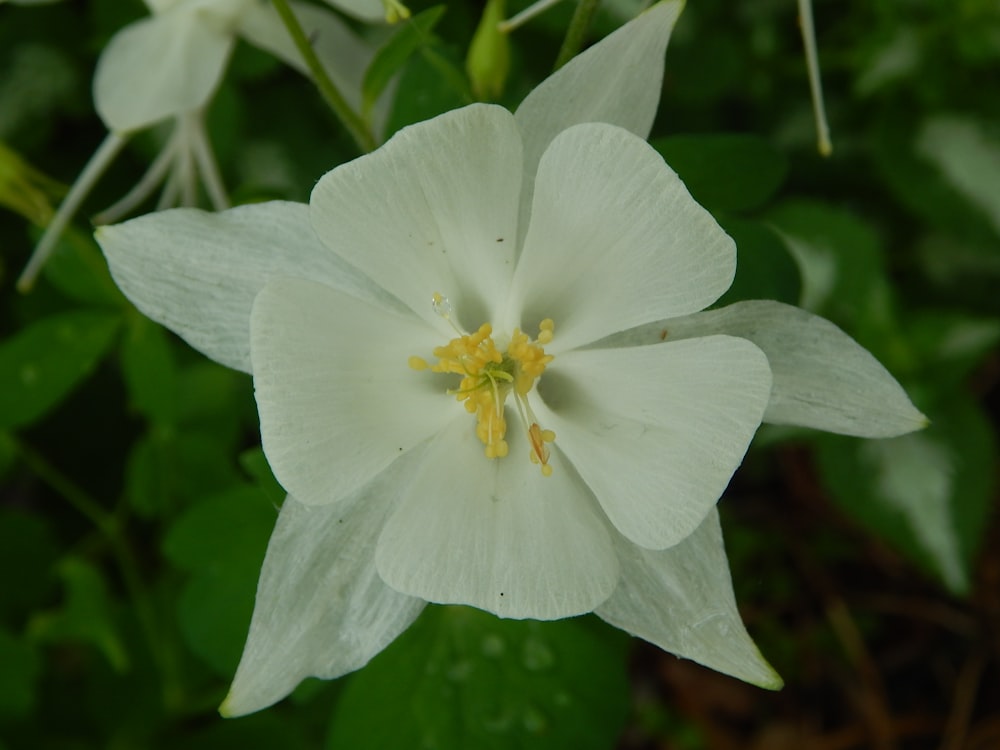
577 31
350 119
110 528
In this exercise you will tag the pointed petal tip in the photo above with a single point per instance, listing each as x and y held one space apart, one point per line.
226 709
754 670
921 422
767 678
912 420
773 681
235 706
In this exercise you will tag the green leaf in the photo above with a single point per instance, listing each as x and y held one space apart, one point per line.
433 83
412 35
150 482
949 345
221 541
839 256
967 157
266 730
149 370
44 362
927 493
168 469
78 270
27 554
254 463
920 185
8 453
85 615
462 678
19 676
764 269
211 396
726 172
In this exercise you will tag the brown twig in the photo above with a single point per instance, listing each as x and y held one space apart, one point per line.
964 701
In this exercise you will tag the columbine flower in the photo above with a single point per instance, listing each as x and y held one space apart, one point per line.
442 352
507 509
167 67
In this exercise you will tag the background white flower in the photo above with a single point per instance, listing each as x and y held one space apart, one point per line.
322 607
190 42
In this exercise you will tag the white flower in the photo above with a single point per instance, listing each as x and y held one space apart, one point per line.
499 512
480 217
168 66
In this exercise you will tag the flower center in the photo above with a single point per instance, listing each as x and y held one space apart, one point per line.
489 376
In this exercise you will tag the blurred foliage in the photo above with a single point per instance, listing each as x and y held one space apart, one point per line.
136 505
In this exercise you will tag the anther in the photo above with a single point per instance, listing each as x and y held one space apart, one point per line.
539 453
546 330
488 376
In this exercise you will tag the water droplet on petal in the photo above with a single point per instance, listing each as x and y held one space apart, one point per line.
442 306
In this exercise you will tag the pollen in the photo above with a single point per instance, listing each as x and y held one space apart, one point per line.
488 376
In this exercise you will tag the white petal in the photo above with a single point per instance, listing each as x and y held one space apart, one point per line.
197 273
657 431
618 80
160 66
321 608
337 400
343 55
822 377
496 534
615 240
433 210
681 599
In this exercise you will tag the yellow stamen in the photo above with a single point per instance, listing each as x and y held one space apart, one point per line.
539 453
489 375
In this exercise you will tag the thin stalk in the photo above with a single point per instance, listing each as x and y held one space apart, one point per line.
350 119
144 187
110 528
823 144
577 31
91 173
525 15
171 194
209 168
